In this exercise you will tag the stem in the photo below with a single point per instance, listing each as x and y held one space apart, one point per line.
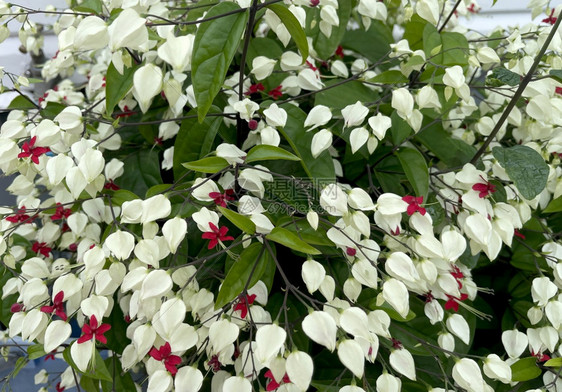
518 93
247 37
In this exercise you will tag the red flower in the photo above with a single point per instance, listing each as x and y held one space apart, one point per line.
276 92
28 150
312 67
214 363
273 385
453 303
350 251
92 331
339 52
216 235
20 216
242 304
550 19
397 344
41 247
220 199
59 388
540 356
61 212
58 306
314 3
558 90
517 233
51 355
414 204
484 188
111 186
254 89
164 353
17 307
457 274
126 112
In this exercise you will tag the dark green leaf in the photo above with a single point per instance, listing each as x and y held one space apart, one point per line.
52 110
207 165
556 74
361 41
21 103
117 336
194 141
89 384
293 26
322 167
326 46
117 86
501 76
525 369
444 48
414 31
525 167
453 152
416 170
142 171
265 152
245 272
400 129
390 77
215 44
344 94
122 381
290 240
35 351
242 222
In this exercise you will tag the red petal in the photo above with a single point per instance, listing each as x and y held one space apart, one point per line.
59 297
154 353
84 338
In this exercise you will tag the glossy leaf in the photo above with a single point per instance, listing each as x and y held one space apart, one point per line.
93 6
244 273
264 152
554 206
525 369
242 222
122 195
207 165
194 141
416 170
35 351
501 76
142 171
290 240
293 26
117 86
215 44
525 167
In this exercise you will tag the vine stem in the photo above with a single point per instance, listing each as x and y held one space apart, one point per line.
518 93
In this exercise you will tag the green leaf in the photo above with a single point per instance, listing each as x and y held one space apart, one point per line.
300 141
21 103
444 48
453 152
390 77
554 206
242 222
416 170
361 41
264 152
525 369
400 129
35 351
121 381
293 26
142 171
244 273
290 240
117 86
501 76
326 46
414 31
121 196
525 167
207 165
554 362
116 336
93 6
20 364
215 44
52 110
194 140
345 94
556 74
89 384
